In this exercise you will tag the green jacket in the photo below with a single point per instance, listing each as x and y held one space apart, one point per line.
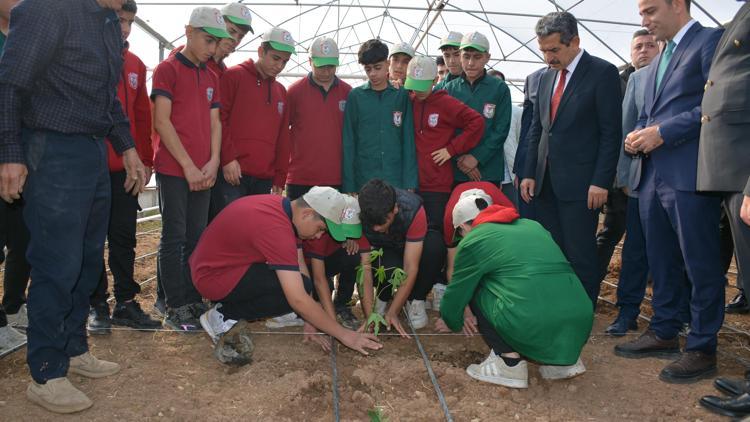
378 139
448 78
520 280
489 97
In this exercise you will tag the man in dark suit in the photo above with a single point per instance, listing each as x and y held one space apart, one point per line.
723 157
530 89
573 144
681 226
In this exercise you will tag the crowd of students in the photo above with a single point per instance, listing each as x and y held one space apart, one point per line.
268 195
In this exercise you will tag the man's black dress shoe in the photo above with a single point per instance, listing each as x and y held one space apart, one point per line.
735 407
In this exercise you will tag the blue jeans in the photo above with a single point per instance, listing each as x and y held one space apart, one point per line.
67 197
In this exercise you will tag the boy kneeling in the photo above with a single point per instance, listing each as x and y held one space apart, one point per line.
526 298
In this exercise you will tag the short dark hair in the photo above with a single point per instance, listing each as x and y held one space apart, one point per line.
641 32
687 4
449 47
371 52
563 23
376 200
440 61
244 28
130 6
496 73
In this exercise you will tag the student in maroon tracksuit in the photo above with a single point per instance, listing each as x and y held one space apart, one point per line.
122 219
255 122
443 128
316 116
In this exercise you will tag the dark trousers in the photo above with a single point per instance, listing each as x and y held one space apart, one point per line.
573 227
345 266
727 244
614 227
682 234
430 264
631 287
121 236
15 237
741 236
67 210
222 194
295 191
183 215
490 336
258 295
510 192
434 204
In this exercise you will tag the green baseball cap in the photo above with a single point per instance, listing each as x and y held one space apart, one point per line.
239 14
403 48
350 218
453 39
476 41
324 52
280 39
421 73
209 20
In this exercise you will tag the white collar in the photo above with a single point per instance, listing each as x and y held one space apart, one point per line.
681 33
572 66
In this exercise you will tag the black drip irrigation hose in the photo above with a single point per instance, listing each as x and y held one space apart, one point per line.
428 365
334 381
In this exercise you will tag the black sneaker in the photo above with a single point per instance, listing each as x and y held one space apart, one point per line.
99 322
160 308
347 318
131 315
181 319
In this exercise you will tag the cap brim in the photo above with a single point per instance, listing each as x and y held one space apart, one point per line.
456 237
219 33
450 44
325 61
352 231
336 231
475 47
418 85
282 47
238 21
401 52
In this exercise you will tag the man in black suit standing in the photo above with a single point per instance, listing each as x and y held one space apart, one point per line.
573 144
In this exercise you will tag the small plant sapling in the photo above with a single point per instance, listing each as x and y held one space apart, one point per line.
383 278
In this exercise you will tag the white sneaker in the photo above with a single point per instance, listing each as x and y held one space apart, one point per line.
417 314
10 338
20 319
380 306
289 320
495 371
215 324
438 290
556 372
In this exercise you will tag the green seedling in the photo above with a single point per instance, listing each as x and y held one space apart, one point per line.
376 415
383 278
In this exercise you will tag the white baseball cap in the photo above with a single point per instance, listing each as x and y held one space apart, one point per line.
404 48
280 39
350 219
209 20
421 73
477 41
331 204
238 13
324 52
453 39
466 208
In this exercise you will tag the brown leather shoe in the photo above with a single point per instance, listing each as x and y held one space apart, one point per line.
649 345
692 366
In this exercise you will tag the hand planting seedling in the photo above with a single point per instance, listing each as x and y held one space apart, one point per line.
382 281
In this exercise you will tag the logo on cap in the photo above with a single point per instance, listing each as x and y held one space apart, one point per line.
418 72
325 48
432 119
475 36
287 37
489 110
245 13
347 214
210 93
219 18
397 118
342 105
280 107
133 80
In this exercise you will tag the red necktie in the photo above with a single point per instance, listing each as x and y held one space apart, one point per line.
557 96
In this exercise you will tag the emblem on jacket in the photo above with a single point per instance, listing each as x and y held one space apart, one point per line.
432 119
489 110
210 94
342 105
133 80
397 118
280 107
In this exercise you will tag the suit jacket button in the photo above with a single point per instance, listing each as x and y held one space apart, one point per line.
737 43
705 119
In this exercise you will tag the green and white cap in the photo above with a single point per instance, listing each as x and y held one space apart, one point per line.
209 20
331 204
238 13
404 48
280 39
421 73
324 52
453 39
350 219
477 41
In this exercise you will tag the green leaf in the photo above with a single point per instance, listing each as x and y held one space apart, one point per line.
376 320
397 277
376 415
380 274
376 254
